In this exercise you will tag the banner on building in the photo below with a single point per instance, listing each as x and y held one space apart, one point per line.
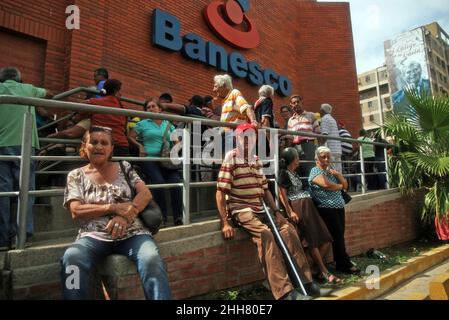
407 67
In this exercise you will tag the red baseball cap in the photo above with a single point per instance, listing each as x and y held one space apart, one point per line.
243 127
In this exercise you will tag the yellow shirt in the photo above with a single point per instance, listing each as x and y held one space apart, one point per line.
234 108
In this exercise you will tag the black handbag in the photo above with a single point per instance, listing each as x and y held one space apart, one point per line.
151 216
346 197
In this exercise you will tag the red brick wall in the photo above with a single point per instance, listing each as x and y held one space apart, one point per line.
43 20
309 42
31 62
382 225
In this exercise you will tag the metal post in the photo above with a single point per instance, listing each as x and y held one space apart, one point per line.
362 169
25 165
386 168
274 141
290 263
197 191
186 172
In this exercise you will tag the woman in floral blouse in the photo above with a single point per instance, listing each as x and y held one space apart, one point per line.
302 211
99 197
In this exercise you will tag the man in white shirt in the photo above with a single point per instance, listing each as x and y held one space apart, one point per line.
329 127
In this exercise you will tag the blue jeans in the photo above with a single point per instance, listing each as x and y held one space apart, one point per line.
9 181
157 175
86 252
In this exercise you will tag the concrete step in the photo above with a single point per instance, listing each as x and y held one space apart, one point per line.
41 253
58 234
52 216
40 263
49 249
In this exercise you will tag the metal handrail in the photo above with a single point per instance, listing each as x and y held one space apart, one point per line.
8 99
72 92
186 184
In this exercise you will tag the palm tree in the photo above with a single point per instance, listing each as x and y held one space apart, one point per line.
422 157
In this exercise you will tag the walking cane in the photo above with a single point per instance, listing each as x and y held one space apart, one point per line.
291 265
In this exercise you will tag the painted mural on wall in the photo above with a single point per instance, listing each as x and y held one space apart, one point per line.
407 68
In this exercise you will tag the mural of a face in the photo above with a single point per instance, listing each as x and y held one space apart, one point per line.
412 73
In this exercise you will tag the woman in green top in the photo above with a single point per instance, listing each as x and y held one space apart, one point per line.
147 136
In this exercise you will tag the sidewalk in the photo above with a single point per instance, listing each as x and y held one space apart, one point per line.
417 288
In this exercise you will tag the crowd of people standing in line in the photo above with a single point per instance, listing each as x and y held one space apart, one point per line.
97 195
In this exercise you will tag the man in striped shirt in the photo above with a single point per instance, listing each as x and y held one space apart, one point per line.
303 121
241 184
235 109
329 127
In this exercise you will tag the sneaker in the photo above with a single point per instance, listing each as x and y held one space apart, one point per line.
315 291
295 295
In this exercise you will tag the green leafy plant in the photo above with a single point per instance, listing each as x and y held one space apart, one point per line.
421 159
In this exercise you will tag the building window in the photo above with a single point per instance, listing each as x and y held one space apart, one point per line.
371 118
370 104
432 73
368 79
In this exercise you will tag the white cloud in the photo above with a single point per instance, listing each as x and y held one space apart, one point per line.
374 21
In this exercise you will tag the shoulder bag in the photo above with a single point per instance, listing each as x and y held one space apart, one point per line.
165 152
151 216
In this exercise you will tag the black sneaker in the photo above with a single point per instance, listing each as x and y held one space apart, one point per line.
295 295
178 222
316 291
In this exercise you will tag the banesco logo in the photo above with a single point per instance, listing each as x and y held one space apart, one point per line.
224 18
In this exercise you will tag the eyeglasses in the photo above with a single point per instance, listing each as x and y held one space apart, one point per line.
99 128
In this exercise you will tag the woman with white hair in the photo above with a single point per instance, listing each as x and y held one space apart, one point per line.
263 107
325 188
235 109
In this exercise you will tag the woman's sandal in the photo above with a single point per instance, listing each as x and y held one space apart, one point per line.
330 278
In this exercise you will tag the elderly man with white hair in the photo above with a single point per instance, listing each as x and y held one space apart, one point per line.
329 127
235 109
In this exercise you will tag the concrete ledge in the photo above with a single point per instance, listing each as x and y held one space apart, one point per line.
198 257
439 287
393 277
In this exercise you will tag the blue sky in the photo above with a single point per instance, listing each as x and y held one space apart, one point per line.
374 21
